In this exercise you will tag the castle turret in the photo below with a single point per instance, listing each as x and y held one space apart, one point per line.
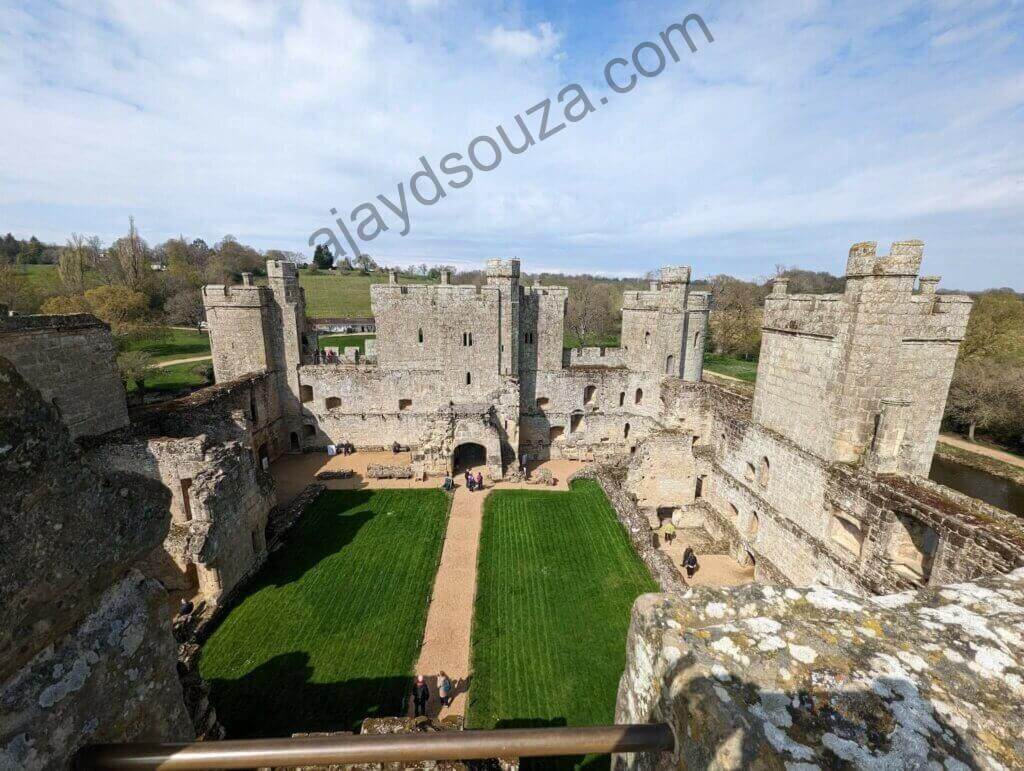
862 376
504 274
664 328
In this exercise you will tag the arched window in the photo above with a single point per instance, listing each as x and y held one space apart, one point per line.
764 472
625 431
332 402
252 408
639 397
469 378
670 365
420 336
589 394
622 398
555 432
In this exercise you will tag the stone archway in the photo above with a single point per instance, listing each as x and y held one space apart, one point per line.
468 455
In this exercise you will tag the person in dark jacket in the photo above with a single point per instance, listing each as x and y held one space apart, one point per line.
420 696
690 562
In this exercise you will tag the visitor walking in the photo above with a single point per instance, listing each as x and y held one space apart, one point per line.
449 483
420 696
444 689
668 532
690 562
479 481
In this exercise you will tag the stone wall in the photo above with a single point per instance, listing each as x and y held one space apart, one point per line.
764 677
71 361
211 451
807 520
86 652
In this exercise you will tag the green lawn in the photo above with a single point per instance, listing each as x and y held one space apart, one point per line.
330 629
345 341
569 340
177 344
727 365
173 378
557 577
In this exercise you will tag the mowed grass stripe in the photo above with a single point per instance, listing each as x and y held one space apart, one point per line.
556 580
330 629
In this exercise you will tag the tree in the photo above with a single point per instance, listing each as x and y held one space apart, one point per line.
322 257
15 291
65 305
133 367
9 250
74 259
345 264
996 328
120 307
366 263
185 308
132 256
988 395
736 316
590 313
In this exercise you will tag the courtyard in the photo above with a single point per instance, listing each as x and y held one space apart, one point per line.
520 594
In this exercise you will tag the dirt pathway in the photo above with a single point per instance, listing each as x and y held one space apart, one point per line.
450 617
979 449
186 360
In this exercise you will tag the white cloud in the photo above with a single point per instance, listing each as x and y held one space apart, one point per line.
523 43
800 130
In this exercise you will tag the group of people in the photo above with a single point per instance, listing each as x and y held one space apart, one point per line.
474 482
345 448
421 693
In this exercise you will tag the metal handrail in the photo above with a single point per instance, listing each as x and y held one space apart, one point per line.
384 748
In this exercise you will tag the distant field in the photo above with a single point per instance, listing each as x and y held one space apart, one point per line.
727 365
344 294
569 340
328 631
178 344
557 579
345 341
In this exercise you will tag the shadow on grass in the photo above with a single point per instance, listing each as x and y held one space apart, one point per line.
278 699
561 763
328 527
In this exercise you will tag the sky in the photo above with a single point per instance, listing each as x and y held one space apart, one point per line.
804 127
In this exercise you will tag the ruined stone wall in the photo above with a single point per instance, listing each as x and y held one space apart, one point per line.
71 360
764 677
808 520
86 653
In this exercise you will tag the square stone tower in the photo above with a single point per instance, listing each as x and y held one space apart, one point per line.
664 330
504 274
263 329
862 376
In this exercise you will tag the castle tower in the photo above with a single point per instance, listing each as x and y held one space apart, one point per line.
664 329
504 274
862 376
262 328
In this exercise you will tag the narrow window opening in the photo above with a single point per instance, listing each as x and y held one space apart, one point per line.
186 485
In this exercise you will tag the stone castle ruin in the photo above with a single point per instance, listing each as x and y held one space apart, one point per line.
818 480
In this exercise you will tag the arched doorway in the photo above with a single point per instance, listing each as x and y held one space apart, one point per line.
295 442
469 455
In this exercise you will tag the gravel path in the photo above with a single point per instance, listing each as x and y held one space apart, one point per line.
980 449
186 360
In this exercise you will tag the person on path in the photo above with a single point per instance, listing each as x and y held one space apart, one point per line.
690 562
448 484
420 696
444 689
479 481
469 481
668 532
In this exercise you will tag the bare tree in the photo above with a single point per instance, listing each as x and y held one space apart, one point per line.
74 259
590 312
132 256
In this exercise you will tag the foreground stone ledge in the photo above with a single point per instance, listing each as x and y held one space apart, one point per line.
761 677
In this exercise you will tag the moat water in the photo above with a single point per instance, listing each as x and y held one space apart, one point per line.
1003 493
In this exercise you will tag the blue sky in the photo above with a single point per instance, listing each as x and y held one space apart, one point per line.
805 127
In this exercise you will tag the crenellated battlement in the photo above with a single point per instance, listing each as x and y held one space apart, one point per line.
904 259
